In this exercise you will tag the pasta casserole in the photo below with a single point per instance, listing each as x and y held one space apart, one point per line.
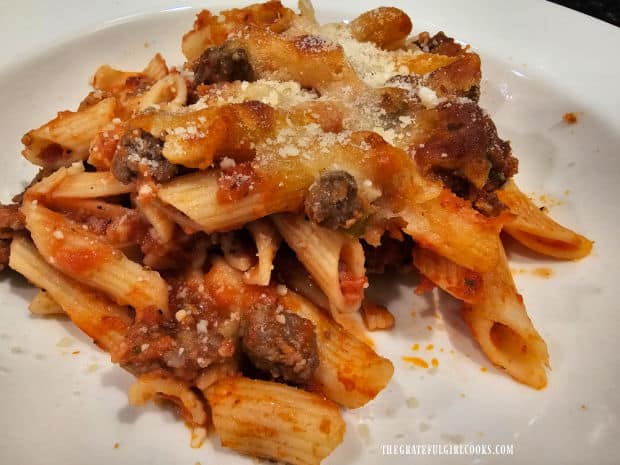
212 225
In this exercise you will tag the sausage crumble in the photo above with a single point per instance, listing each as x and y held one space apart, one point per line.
332 200
139 152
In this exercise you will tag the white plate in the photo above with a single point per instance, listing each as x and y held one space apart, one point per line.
539 61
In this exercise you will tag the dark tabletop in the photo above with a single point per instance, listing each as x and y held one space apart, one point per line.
607 10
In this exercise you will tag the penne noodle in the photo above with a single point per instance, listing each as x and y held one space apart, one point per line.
94 314
325 254
376 316
279 58
74 183
274 421
449 226
386 27
306 11
170 92
91 185
500 324
47 184
89 259
161 384
196 196
66 138
196 139
210 30
93 208
216 372
44 305
464 284
537 231
176 216
423 63
297 278
109 79
267 240
163 225
156 68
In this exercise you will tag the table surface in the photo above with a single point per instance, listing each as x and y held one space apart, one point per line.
606 10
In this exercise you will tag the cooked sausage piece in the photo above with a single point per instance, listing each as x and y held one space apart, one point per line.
200 333
279 342
332 200
11 220
464 151
440 44
140 152
5 253
222 64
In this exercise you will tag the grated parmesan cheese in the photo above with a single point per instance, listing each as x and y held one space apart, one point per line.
288 151
428 97
372 64
145 189
283 94
201 326
227 163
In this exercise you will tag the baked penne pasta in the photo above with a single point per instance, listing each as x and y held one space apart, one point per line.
299 280
386 27
464 284
274 421
163 225
66 138
42 304
169 92
466 238
376 316
500 324
90 185
196 196
86 257
211 224
334 260
212 30
156 68
217 372
267 240
537 231
94 314
158 384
